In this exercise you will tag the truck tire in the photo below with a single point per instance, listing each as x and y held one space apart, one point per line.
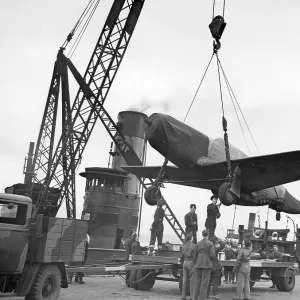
145 279
286 283
46 285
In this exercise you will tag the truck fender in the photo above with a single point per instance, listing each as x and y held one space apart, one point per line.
64 279
281 272
28 275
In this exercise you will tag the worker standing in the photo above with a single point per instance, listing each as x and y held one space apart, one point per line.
203 256
79 275
242 269
136 246
187 263
191 222
229 254
213 214
157 227
274 254
215 275
128 243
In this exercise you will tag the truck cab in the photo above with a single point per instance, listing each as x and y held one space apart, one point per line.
15 212
33 251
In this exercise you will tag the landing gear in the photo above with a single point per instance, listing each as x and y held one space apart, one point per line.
278 216
225 195
152 194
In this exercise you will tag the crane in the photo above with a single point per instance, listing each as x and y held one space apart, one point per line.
54 169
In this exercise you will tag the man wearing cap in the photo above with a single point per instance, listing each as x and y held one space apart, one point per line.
129 241
274 254
203 256
213 214
157 227
215 275
191 223
186 260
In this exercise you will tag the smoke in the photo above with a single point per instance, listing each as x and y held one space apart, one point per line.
145 105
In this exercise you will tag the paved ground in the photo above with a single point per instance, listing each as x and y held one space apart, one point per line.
108 287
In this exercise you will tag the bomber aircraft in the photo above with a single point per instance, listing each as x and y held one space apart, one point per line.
201 162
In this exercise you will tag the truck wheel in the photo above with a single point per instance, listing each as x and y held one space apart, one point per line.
46 284
145 279
286 283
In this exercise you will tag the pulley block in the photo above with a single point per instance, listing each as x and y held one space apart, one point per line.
217 27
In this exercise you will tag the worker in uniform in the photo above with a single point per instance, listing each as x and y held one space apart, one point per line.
274 254
229 254
215 275
203 257
213 214
186 260
263 251
136 246
191 222
157 227
242 269
128 243
79 275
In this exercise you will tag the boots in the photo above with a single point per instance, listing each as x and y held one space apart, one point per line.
151 250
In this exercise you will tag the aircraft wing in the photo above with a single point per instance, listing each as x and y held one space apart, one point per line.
257 172
193 177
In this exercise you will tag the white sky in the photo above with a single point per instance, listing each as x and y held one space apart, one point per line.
165 60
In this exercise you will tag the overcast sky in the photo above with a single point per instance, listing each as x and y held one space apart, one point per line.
167 55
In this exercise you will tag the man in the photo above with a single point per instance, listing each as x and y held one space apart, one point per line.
229 254
203 256
187 262
136 247
235 250
263 251
191 223
242 269
79 275
274 254
213 214
157 227
215 275
128 243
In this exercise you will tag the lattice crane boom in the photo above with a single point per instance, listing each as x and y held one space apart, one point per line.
100 73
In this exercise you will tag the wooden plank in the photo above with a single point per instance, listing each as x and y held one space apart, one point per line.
161 259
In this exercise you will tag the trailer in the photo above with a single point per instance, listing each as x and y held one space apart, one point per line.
141 271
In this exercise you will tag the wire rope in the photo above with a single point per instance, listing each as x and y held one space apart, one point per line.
198 88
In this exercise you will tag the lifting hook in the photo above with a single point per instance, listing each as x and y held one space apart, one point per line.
216 28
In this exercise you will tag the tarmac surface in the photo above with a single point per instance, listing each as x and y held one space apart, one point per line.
109 287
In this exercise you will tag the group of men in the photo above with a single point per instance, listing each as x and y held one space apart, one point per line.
202 269
213 213
190 220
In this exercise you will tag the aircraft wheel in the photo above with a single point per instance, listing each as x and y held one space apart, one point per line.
226 197
152 194
278 216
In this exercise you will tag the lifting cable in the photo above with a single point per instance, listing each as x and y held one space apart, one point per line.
214 4
83 29
86 14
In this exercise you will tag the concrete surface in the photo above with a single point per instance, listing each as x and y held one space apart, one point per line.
109 287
